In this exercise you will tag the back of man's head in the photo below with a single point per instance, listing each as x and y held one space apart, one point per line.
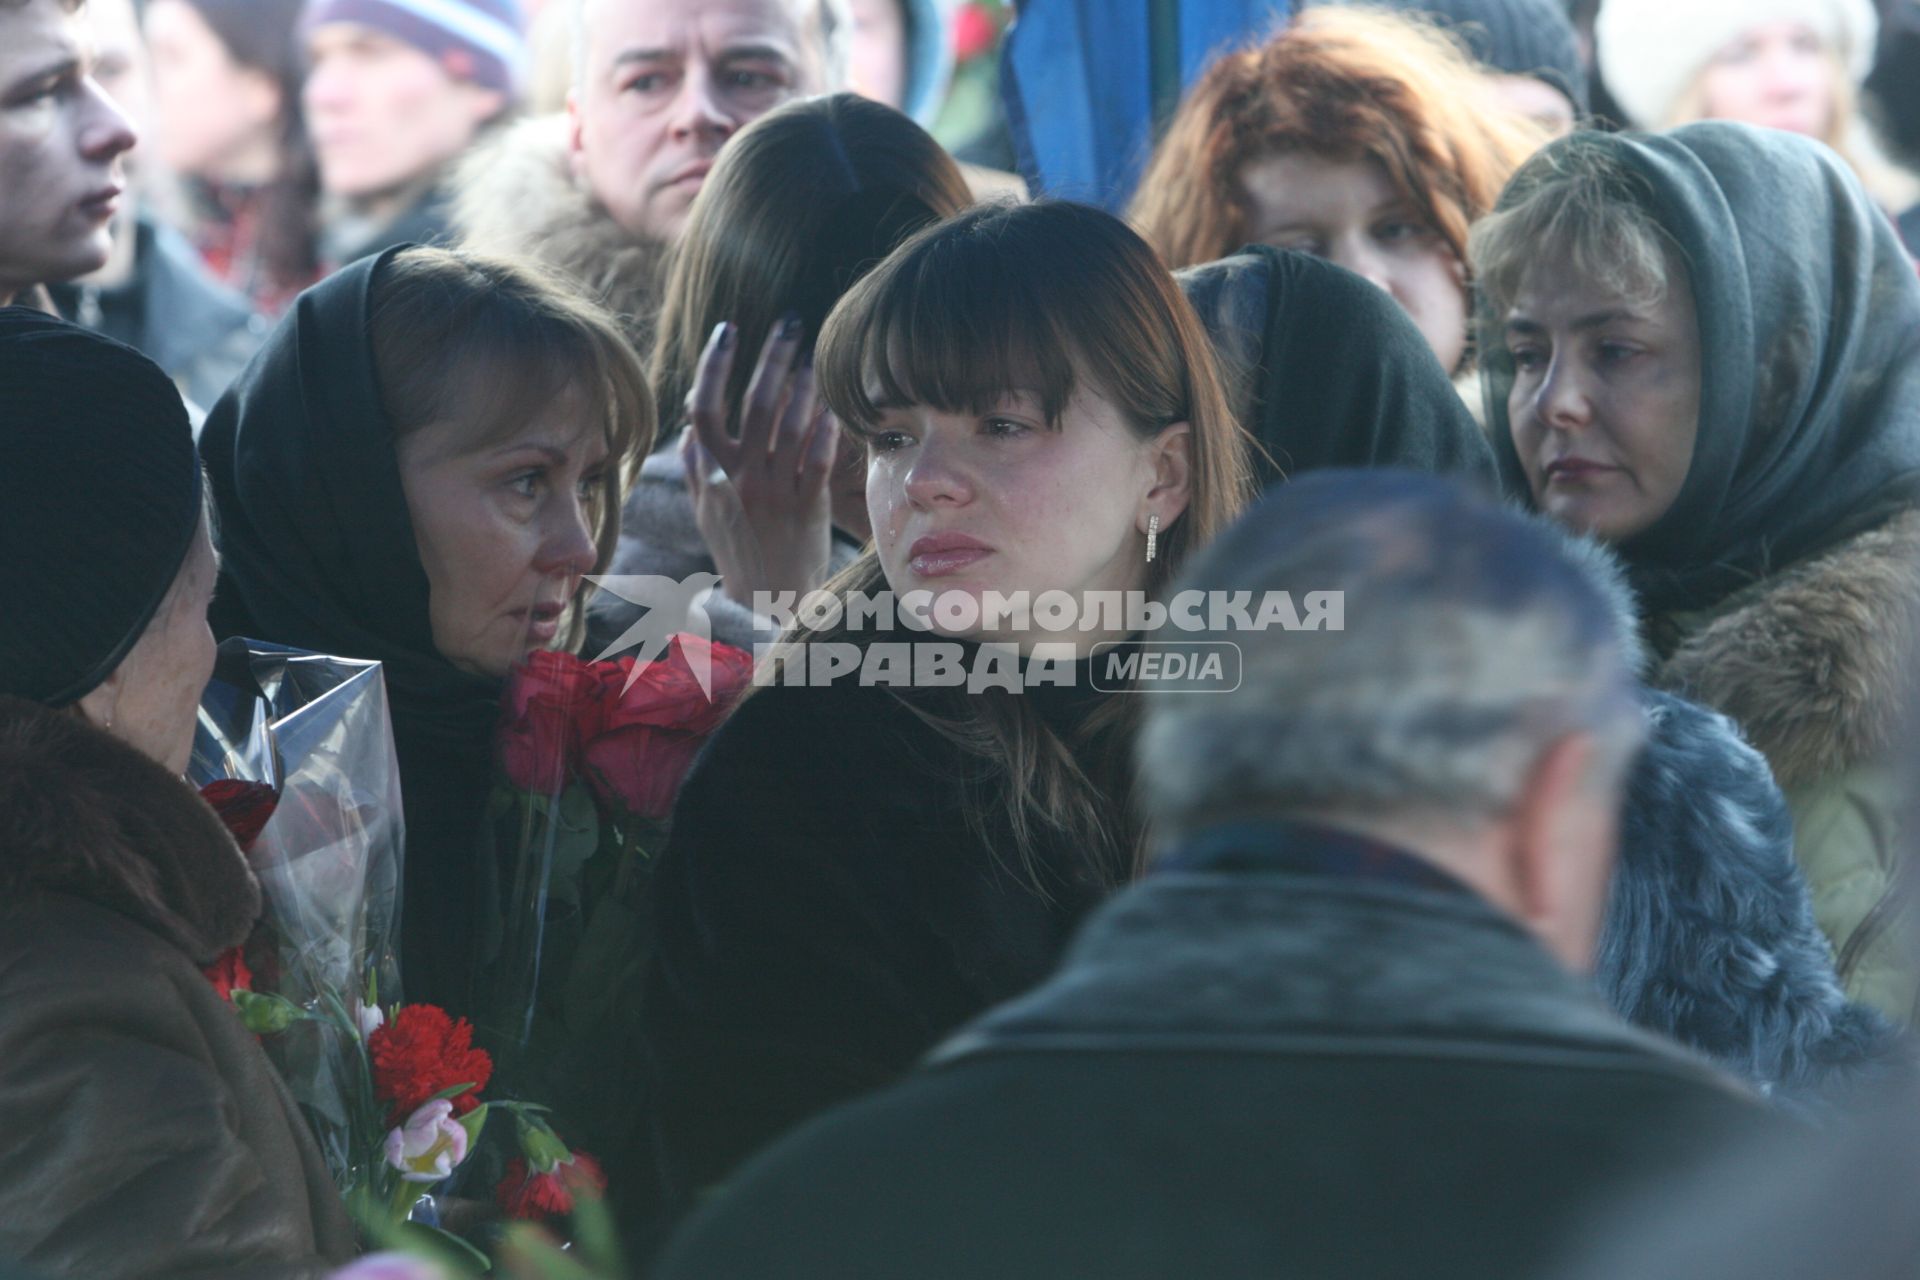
1478 705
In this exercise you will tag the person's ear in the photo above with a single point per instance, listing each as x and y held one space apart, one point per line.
576 144
1558 829
1171 457
263 96
484 104
100 703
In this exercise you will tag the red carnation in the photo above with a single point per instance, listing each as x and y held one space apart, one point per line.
420 1052
243 806
527 1193
648 734
540 732
230 973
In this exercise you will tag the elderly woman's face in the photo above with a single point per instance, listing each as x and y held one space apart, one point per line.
1350 213
505 532
152 699
1778 74
1605 403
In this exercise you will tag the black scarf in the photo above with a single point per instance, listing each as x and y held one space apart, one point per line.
318 551
1344 377
1810 360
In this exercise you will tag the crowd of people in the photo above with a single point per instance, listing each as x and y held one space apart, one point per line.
1520 398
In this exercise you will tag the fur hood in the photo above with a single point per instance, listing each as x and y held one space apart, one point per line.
516 197
1812 661
84 814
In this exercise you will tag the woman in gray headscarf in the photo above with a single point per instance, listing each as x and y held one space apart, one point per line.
1704 348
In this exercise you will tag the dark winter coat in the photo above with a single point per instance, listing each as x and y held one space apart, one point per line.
172 311
1247 1065
825 916
142 1131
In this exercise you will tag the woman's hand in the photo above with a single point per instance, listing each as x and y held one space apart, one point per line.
761 498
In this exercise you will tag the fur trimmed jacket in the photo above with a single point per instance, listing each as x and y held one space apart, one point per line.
143 1133
1812 663
515 196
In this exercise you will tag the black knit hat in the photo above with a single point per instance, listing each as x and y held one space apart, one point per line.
1520 37
99 501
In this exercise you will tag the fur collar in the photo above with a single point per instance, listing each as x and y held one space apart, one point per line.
516 197
1812 661
84 814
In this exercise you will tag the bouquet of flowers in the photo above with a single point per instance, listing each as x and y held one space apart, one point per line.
590 757
295 751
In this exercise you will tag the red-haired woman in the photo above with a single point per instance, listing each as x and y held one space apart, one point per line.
1366 138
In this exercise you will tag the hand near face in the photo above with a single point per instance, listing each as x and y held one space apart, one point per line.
761 498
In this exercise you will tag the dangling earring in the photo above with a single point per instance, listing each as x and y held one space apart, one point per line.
1153 536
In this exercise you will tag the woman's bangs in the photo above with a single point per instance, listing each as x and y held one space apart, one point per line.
952 330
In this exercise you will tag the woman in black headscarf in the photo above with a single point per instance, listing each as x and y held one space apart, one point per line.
1704 348
419 467
1325 370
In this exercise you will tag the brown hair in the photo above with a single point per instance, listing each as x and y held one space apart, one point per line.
492 344
797 207
1041 298
1346 84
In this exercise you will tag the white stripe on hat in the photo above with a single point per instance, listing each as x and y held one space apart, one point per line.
472 25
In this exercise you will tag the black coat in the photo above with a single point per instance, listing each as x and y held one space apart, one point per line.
1241 1069
825 917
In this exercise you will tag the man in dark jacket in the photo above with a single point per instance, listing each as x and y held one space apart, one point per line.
1339 1030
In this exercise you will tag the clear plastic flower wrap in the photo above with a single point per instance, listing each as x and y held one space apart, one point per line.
315 729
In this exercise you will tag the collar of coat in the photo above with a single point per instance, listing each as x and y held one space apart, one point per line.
1812 662
1290 963
515 196
84 814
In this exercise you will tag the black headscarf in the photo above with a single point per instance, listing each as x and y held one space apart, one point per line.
1810 359
318 552
1330 371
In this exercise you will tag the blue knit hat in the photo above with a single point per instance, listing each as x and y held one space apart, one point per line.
99 502
480 41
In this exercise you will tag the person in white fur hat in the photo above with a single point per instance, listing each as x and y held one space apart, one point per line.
1786 64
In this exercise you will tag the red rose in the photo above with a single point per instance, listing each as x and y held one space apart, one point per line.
648 733
243 806
540 732
421 1051
230 973
526 1193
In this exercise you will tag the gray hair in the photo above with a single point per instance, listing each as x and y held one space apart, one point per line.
1474 637
826 19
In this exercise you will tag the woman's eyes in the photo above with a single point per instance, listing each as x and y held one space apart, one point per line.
994 427
527 483
1527 358
1400 231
